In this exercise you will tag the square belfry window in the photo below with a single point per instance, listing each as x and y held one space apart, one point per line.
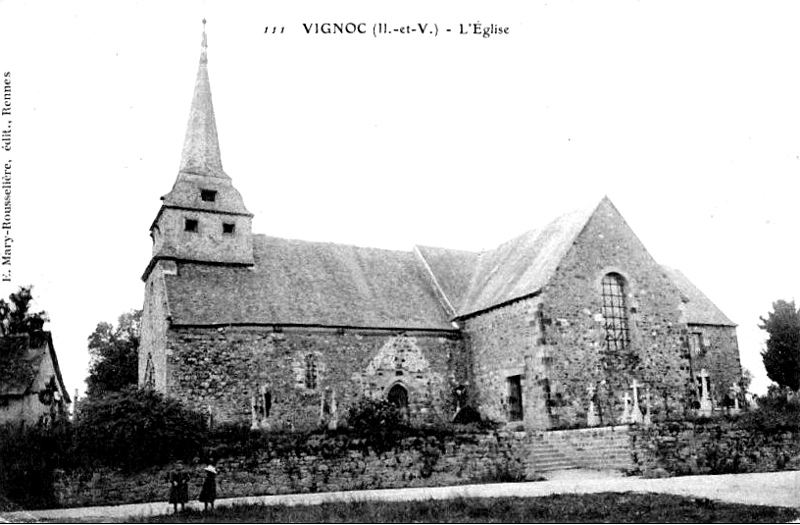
208 195
190 225
228 227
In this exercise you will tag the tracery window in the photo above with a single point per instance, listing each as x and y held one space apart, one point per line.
615 312
311 371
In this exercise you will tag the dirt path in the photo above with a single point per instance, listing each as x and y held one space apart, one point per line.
773 488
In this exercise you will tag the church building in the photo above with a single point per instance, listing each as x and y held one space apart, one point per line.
572 324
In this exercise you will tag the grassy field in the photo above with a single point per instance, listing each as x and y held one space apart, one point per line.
595 508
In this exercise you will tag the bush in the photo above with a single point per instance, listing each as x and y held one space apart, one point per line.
134 429
774 414
29 456
374 414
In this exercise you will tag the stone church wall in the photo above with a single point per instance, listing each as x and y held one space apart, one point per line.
154 327
499 340
307 371
572 301
717 353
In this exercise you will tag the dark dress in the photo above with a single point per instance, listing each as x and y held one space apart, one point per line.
178 488
209 491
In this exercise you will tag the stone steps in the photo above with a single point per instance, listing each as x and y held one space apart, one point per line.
600 449
545 458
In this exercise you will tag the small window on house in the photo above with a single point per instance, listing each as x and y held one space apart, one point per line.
615 312
228 227
190 225
514 398
311 371
208 195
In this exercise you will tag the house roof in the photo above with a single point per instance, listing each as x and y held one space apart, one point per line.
699 308
18 378
309 283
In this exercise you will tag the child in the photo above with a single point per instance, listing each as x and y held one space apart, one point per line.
178 490
209 491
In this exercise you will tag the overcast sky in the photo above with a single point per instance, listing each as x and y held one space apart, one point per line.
686 114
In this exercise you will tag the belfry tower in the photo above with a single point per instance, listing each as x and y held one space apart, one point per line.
203 220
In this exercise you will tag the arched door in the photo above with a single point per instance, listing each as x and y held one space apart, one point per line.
398 396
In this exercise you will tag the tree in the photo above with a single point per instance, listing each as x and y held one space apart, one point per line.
16 317
114 352
17 320
135 428
782 355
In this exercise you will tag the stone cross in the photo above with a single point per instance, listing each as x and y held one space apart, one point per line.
636 412
648 418
332 422
625 418
591 417
253 415
736 391
705 398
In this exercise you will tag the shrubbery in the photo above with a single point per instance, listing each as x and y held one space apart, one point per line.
774 414
134 429
28 457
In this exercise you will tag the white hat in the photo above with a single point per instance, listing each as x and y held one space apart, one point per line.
211 469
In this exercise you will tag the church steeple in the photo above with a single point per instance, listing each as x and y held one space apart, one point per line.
201 154
203 219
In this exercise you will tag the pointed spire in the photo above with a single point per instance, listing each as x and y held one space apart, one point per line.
201 154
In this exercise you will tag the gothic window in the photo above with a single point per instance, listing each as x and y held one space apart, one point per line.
228 227
615 312
398 396
514 398
311 371
149 373
190 225
208 195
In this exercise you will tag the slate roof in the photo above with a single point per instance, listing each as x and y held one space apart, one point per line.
17 380
699 308
522 266
309 283
323 284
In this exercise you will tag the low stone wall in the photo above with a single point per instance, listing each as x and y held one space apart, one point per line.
717 447
415 462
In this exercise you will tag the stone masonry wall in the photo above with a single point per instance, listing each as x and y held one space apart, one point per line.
154 326
417 462
217 370
715 447
572 302
499 340
719 355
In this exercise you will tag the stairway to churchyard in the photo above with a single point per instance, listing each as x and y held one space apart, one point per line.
546 458
599 448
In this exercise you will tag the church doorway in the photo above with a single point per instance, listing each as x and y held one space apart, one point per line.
398 396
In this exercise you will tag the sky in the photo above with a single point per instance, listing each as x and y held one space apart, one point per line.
686 114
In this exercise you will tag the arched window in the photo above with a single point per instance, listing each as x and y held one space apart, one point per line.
149 373
311 371
615 312
398 396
